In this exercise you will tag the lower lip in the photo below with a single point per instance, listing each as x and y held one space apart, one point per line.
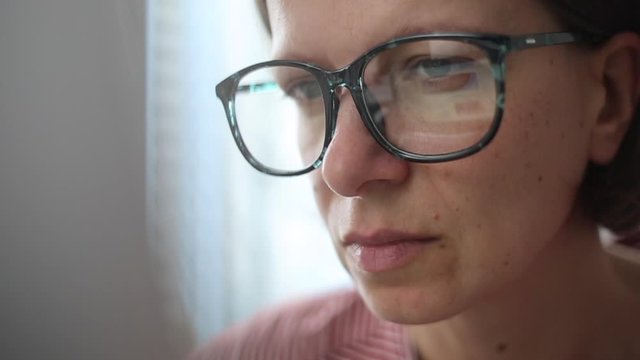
386 257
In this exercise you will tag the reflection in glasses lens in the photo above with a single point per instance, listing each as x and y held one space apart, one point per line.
281 117
433 97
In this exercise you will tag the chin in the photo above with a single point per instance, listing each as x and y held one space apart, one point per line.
410 306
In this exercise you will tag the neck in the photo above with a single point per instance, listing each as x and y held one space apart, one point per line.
566 306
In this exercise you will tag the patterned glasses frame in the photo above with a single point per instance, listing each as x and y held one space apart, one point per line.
496 47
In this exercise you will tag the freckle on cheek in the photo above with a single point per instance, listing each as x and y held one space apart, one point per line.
436 216
540 178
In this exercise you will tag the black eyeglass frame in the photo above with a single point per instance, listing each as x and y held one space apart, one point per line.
497 47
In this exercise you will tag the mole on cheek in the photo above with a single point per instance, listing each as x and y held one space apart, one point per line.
501 347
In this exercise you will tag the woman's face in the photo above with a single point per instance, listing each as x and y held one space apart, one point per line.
423 242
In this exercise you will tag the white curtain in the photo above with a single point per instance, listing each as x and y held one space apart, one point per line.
232 240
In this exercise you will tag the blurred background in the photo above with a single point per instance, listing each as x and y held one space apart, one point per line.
130 226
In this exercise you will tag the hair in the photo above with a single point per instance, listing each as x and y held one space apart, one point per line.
610 194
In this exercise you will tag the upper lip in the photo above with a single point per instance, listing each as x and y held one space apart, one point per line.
384 237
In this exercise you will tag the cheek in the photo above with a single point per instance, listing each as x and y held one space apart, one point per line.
546 128
542 145
520 191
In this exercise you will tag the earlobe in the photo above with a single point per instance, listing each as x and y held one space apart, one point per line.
620 78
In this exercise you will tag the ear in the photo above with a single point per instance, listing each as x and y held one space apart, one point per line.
618 67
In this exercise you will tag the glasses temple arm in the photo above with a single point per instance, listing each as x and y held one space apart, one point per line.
544 39
555 38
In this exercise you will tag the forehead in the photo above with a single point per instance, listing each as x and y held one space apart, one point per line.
334 32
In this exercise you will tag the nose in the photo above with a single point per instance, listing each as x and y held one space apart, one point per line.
354 162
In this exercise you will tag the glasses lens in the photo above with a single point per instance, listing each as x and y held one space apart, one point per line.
280 112
431 97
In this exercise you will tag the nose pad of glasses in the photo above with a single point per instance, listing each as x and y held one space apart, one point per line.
369 109
341 90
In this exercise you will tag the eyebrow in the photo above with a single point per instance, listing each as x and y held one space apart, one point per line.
408 30
405 30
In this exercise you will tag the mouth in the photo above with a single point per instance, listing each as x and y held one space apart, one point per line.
385 250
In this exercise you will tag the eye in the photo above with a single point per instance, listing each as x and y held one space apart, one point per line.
440 74
438 67
303 91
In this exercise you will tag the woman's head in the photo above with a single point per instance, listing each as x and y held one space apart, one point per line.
610 192
445 235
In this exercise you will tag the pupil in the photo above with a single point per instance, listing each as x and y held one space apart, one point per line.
436 67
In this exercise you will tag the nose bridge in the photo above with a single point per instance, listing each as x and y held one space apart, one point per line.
346 77
345 81
342 81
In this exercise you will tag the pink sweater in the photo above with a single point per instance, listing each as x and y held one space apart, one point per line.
333 326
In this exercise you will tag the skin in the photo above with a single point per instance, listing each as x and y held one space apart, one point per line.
517 271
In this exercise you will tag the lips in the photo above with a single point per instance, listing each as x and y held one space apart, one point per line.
385 250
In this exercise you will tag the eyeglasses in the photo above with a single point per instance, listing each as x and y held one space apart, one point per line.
425 98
